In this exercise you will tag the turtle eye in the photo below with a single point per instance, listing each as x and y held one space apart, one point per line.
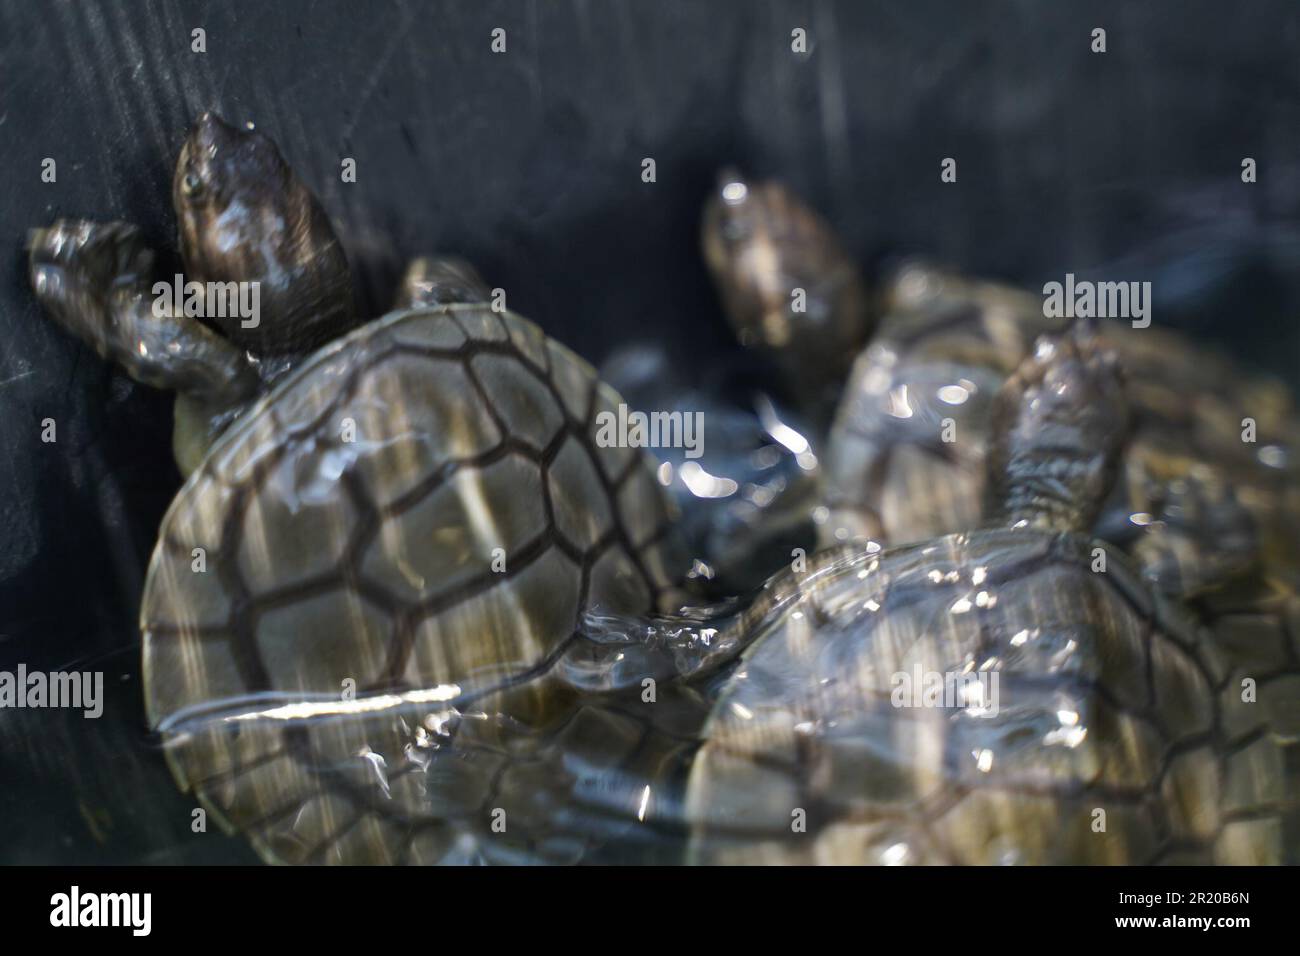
192 185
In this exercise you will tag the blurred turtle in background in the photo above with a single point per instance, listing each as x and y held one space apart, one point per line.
1079 717
788 287
1207 503
799 305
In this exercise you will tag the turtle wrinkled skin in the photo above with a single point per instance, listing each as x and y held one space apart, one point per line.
1114 733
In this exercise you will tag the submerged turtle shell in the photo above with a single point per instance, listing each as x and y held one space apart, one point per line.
1209 518
1107 700
945 348
355 618
891 472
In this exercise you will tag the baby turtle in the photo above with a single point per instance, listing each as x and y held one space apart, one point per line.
1088 720
794 297
788 287
1208 518
360 615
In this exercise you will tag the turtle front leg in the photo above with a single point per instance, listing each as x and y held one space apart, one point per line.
93 279
440 280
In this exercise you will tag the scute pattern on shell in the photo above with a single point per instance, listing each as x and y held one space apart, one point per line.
1108 699
890 475
369 560
944 348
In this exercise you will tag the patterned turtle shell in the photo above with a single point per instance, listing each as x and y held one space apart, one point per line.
905 457
360 621
1092 722
1208 517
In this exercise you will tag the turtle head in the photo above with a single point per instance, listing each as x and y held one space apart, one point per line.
729 221
786 284
245 217
1059 425
219 168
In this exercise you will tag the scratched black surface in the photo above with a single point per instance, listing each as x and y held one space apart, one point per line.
529 163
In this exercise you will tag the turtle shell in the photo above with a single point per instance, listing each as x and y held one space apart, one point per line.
905 460
905 457
1111 734
360 605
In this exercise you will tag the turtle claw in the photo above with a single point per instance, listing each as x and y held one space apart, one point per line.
93 279
102 255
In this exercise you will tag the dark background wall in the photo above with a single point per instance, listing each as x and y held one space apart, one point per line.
529 164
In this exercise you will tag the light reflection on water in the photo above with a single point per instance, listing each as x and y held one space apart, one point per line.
694 737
